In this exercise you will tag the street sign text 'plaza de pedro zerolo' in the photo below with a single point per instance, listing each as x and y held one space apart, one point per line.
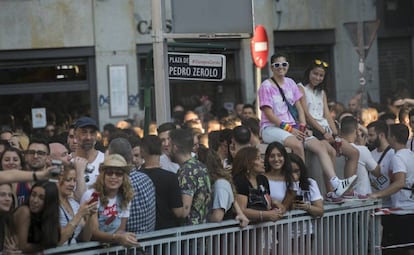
194 66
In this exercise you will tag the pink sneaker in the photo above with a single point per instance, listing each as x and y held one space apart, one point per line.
331 197
352 194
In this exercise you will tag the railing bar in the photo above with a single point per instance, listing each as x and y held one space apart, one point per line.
345 229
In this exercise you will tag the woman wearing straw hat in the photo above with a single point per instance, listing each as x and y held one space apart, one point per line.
114 192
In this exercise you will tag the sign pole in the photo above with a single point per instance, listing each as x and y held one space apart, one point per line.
356 32
258 83
161 82
259 47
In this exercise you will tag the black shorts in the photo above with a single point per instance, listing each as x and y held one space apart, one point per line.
318 134
395 229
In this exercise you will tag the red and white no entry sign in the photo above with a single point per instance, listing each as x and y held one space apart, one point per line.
259 46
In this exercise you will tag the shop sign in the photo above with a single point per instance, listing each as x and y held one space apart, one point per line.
194 66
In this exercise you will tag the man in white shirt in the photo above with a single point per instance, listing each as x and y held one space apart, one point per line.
401 190
86 130
366 163
383 154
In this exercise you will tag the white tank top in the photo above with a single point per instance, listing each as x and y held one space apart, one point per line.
314 101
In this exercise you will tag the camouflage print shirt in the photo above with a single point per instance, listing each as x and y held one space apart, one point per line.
194 181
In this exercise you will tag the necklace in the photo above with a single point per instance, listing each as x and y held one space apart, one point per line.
66 206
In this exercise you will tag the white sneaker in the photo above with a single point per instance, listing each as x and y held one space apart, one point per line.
344 185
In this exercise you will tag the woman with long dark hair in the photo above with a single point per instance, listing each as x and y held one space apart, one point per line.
10 159
279 173
252 186
319 119
8 242
38 218
308 196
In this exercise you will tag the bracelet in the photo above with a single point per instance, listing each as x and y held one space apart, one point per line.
309 206
34 176
285 126
261 215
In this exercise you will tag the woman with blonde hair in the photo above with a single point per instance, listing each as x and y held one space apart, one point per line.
368 115
20 141
75 219
114 193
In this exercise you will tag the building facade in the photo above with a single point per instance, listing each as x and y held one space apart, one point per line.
90 57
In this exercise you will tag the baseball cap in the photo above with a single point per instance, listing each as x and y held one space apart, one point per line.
86 122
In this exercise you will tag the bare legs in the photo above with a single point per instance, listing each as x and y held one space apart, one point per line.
296 146
325 159
352 157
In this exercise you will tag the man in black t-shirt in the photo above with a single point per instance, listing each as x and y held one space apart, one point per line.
169 205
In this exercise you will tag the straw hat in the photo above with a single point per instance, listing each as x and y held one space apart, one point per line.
115 161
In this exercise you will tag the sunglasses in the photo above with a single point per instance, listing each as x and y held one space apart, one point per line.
114 172
296 171
321 63
277 64
39 153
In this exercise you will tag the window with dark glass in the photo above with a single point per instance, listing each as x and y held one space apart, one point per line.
12 72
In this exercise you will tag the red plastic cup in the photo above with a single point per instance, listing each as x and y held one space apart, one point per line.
338 144
302 128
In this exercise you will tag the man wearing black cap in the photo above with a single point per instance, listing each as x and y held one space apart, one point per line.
86 130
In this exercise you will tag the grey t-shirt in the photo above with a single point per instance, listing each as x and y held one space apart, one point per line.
222 195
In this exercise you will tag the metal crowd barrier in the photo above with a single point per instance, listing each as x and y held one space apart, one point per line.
345 229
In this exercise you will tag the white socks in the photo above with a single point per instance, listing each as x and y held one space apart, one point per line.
334 182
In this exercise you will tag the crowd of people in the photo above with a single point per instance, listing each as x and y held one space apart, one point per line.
81 184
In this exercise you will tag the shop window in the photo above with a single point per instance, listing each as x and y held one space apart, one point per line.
41 72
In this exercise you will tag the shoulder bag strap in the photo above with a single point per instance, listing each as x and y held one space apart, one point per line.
280 89
67 219
383 154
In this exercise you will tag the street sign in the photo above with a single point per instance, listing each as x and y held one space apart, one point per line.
194 66
362 35
259 46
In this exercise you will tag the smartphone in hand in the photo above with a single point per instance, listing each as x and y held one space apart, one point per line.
94 196
299 198
56 171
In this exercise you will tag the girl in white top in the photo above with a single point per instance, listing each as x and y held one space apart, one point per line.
75 220
279 173
318 117
308 196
